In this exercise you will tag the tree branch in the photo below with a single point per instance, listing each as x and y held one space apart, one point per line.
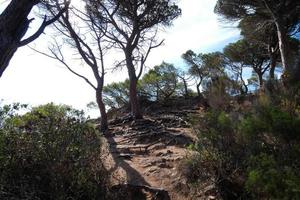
43 26
61 60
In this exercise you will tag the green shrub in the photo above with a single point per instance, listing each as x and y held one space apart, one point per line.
262 165
224 122
270 179
254 150
218 130
252 126
50 152
190 167
285 125
271 121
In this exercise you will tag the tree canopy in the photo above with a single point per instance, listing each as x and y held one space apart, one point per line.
282 14
132 26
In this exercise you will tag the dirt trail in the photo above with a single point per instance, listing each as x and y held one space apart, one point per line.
146 153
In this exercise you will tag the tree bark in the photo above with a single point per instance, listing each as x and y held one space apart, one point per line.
244 88
13 26
272 65
283 47
198 89
186 91
133 97
260 79
103 114
282 41
135 105
273 54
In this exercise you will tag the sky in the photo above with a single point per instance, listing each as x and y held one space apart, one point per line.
34 79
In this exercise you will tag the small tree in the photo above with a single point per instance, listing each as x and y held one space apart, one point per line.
116 94
196 68
87 42
185 79
132 27
160 82
204 67
245 54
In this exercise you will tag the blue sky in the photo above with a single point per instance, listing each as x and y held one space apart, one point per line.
34 79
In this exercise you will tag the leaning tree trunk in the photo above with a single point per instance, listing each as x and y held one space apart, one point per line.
284 49
99 99
244 87
259 74
13 26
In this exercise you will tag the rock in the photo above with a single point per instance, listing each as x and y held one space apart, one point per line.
169 151
164 165
159 154
152 169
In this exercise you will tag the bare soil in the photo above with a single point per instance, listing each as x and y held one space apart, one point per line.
146 154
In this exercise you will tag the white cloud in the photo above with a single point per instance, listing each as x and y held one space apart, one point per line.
197 28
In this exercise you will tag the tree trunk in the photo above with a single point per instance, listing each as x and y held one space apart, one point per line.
272 66
133 97
283 47
198 90
185 88
244 89
134 102
273 61
13 26
261 80
101 106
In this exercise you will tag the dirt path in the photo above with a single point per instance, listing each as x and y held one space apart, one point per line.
148 152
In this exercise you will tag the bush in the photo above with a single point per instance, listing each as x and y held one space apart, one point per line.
195 174
218 130
269 179
50 152
272 121
253 155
